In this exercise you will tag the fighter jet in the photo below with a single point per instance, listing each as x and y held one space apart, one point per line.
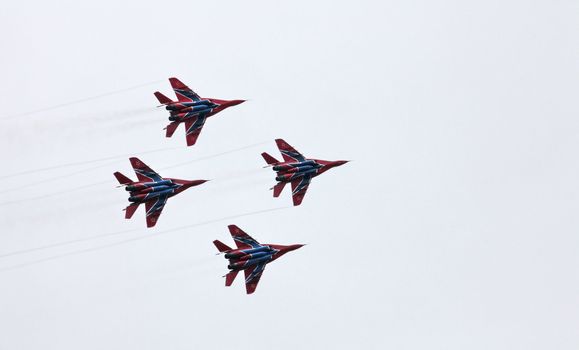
151 189
296 169
250 256
190 109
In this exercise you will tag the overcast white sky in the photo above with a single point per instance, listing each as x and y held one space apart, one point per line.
455 227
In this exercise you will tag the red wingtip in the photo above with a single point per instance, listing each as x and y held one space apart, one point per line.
250 288
151 221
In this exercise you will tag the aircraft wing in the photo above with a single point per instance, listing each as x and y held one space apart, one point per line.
183 92
299 188
289 153
252 276
144 173
193 128
242 239
154 207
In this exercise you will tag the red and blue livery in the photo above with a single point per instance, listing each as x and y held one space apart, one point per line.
296 169
151 189
190 109
250 256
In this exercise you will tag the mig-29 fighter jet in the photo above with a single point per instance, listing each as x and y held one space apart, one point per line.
296 169
190 109
151 189
250 256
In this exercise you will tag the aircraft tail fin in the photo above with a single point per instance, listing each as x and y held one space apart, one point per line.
171 129
122 179
222 247
269 159
230 277
130 210
162 98
278 188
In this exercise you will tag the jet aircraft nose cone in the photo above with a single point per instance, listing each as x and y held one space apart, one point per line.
294 247
234 102
338 163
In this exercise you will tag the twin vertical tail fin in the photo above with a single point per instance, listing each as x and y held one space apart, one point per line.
122 179
269 159
222 247
164 100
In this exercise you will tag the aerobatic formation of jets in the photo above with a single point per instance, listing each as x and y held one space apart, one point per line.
154 190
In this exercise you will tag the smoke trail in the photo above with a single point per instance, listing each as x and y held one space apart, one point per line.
65 165
114 115
32 184
95 97
65 243
103 182
215 155
115 244
55 194
86 239
102 121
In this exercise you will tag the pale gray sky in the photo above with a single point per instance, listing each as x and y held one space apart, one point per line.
454 228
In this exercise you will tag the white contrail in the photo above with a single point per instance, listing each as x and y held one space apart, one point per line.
95 97
82 162
116 160
110 182
65 243
215 155
110 245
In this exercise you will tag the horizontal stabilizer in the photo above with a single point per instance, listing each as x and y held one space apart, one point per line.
122 179
130 210
230 277
171 129
222 247
278 188
164 100
269 159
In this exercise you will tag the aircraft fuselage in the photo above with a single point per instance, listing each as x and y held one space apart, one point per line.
144 191
288 172
242 259
176 106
